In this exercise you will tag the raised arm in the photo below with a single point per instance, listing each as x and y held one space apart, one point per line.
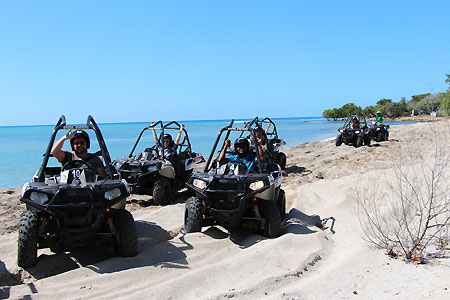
154 133
57 151
177 141
221 157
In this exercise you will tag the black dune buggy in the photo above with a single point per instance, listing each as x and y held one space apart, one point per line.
379 132
71 206
272 143
232 196
354 135
150 173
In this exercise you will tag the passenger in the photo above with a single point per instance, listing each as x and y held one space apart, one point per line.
170 148
80 143
355 123
379 118
241 147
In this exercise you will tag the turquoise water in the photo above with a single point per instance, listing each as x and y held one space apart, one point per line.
22 147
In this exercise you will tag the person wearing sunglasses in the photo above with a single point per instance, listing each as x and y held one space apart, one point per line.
80 143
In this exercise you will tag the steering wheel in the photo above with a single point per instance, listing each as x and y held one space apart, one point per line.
75 161
152 150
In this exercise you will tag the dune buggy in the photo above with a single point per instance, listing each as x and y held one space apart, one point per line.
379 132
354 132
232 196
71 206
149 172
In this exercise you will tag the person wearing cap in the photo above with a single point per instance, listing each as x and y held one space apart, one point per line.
379 117
242 149
170 148
80 143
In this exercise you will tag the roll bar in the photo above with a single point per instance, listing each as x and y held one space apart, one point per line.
229 129
90 124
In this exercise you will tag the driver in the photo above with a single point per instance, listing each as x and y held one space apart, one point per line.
170 148
379 118
80 143
241 146
355 123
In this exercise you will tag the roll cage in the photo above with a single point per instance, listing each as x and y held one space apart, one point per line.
90 125
183 146
228 129
272 133
361 120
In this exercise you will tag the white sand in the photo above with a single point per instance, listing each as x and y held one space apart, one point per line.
304 263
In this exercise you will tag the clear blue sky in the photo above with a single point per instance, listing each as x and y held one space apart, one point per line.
126 61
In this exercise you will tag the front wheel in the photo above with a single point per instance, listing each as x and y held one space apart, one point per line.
161 191
193 215
380 137
281 160
359 141
126 233
281 203
338 140
367 140
271 213
386 136
28 239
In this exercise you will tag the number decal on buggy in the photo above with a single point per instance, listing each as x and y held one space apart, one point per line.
76 173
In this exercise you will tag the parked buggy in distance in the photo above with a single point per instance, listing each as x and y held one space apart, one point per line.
151 173
354 132
72 206
232 196
273 142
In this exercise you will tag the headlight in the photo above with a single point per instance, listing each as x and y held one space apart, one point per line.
200 184
112 194
357 131
25 188
38 197
378 128
341 130
256 185
152 169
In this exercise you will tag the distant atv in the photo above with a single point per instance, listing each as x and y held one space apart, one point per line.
231 196
379 132
72 206
149 173
354 132
274 143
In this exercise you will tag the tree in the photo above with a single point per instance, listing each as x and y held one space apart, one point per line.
430 103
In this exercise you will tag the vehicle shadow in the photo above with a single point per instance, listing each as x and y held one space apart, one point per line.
154 248
295 222
297 170
146 200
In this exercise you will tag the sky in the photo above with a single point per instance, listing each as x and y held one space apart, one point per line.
139 61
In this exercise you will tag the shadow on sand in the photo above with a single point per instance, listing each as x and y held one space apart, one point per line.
295 222
154 248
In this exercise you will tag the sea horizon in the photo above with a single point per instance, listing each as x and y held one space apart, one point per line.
25 145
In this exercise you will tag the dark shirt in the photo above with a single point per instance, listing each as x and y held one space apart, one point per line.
169 153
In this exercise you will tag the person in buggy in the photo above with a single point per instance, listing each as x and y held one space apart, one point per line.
170 148
80 143
355 123
242 150
379 118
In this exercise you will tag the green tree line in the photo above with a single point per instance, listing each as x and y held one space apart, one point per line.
423 103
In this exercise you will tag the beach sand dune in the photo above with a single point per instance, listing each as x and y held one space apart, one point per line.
306 262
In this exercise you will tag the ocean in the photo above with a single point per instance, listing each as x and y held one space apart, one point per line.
22 147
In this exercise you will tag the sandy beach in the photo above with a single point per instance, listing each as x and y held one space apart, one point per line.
305 262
